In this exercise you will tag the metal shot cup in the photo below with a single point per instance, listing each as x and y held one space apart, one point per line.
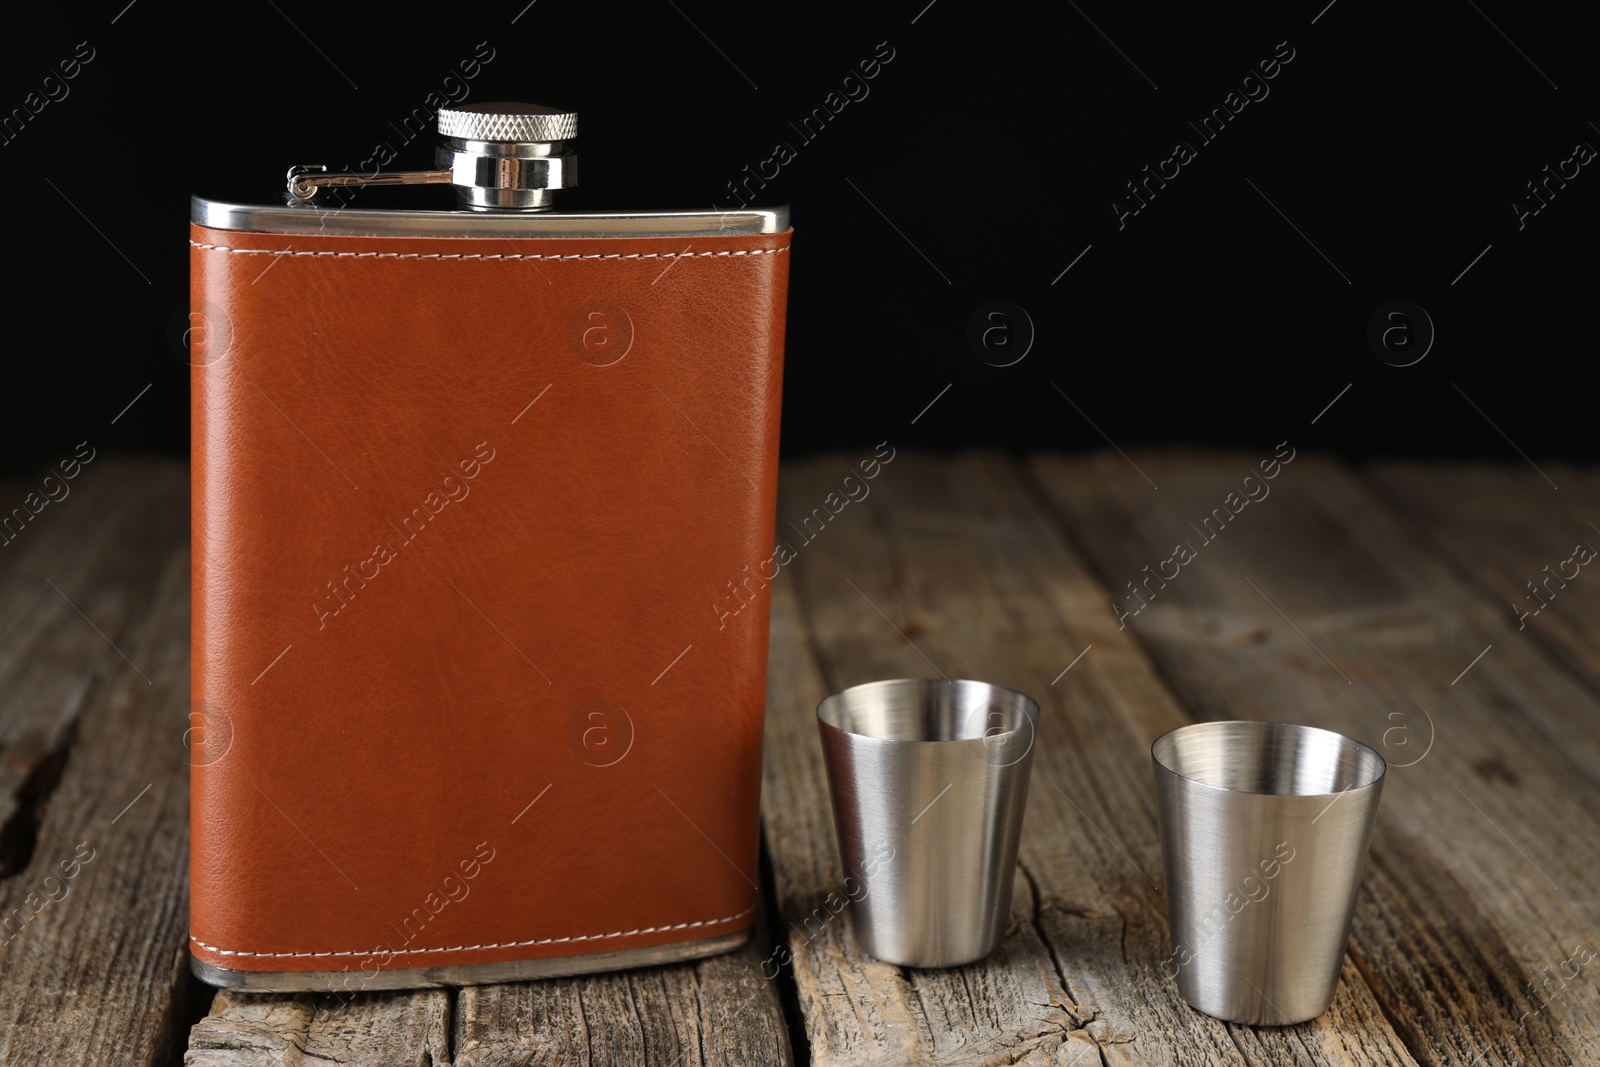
1264 832
929 781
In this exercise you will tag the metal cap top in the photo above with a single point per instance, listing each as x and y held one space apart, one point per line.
508 121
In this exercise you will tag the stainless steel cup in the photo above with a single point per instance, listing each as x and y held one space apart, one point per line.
1264 831
929 782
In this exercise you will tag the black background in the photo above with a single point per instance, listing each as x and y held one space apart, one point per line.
980 165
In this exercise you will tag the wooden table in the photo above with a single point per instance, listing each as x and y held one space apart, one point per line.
1382 603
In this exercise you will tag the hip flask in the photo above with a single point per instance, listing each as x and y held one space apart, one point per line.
471 487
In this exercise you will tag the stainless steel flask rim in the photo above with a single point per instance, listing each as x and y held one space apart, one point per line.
1372 771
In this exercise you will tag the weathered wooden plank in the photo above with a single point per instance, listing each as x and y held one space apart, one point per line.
1315 605
960 558
41 656
94 683
396 1029
715 1012
1512 533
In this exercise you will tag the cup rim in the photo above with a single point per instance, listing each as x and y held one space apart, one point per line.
1374 782
1030 709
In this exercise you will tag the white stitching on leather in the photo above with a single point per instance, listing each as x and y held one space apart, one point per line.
508 255
473 948
497 944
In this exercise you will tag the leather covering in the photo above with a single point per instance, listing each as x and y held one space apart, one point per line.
466 515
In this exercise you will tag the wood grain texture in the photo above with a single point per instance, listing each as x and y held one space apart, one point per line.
1508 531
714 1012
956 567
94 693
397 1029
1317 605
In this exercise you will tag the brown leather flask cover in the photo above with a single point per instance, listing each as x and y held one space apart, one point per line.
470 681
